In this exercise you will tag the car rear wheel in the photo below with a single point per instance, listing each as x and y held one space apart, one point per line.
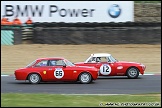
34 78
132 73
85 78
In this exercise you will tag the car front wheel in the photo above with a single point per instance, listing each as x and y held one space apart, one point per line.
132 73
85 78
34 78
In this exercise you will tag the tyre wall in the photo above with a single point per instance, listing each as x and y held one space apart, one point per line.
104 33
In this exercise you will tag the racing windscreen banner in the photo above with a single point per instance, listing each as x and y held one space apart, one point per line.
69 11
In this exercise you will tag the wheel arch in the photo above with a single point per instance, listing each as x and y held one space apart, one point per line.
33 73
131 67
84 72
134 76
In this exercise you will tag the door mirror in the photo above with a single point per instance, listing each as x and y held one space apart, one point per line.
111 62
64 65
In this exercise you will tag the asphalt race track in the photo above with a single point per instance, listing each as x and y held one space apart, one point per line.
103 85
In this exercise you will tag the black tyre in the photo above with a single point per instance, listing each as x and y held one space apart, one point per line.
34 78
85 78
132 73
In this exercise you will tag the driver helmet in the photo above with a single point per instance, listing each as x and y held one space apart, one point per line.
98 59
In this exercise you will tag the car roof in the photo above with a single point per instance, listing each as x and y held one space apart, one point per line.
100 54
49 58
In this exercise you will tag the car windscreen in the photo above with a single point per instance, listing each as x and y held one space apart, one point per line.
112 59
31 63
68 63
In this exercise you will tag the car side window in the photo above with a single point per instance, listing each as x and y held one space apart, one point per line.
103 59
52 63
108 59
56 63
60 63
98 59
42 63
92 60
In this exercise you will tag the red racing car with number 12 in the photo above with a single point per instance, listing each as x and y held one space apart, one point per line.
109 66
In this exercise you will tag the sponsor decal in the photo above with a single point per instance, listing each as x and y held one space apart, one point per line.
120 67
114 11
44 72
38 10
73 11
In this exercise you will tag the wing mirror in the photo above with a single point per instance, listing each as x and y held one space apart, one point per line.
64 65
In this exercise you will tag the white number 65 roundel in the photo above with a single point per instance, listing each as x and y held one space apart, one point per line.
58 73
105 69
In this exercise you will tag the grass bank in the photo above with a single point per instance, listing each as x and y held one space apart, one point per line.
58 100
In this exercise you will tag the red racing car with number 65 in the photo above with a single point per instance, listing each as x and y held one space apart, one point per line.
56 69
109 66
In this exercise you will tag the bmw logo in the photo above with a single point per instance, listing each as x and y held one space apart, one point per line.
114 11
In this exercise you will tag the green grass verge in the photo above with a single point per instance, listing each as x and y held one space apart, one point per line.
57 100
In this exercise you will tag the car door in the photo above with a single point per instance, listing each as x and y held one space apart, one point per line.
66 72
59 72
93 62
107 69
41 67
106 66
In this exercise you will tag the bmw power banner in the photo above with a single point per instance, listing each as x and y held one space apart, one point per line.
69 11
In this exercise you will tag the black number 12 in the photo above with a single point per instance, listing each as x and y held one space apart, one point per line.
105 69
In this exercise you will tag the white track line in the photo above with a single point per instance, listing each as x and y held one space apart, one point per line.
94 94
4 75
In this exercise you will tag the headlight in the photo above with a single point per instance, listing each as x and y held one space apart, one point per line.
143 66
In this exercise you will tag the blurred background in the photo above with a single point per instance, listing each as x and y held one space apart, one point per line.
129 30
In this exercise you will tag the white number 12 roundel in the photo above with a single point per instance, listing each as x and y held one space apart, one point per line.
58 73
105 69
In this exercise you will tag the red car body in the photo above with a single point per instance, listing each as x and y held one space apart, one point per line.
55 69
109 66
